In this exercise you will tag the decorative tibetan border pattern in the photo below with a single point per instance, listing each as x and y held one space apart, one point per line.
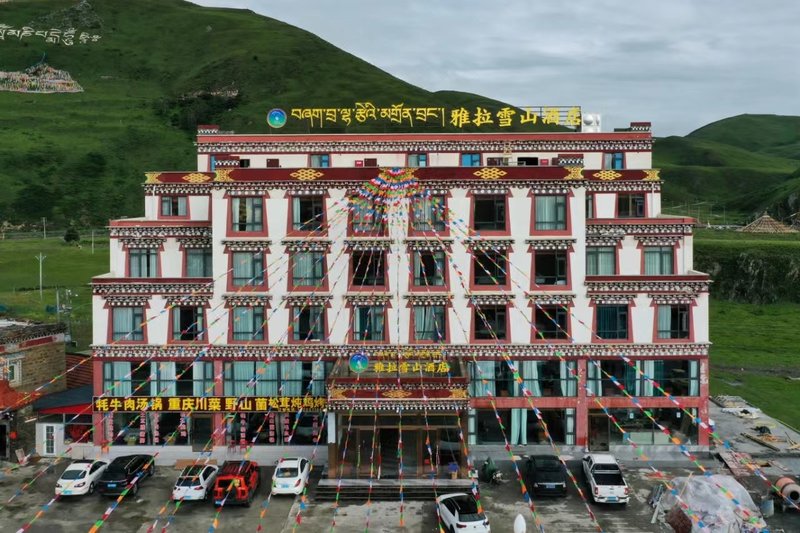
177 287
555 187
159 232
247 300
250 245
489 243
427 244
664 285
550 244
490 298
388 404
466 145
355 298
603 240
189 299
673 299
643 185
429 298
465 352
142 242
368 244
307 245
307 299
550 299
127 300
652 227
177 188
658 240
195 242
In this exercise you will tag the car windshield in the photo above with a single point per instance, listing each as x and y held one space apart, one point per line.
467 509
285 471
73 474
188 482
547 463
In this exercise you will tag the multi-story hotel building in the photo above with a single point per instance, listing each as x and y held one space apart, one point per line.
447 260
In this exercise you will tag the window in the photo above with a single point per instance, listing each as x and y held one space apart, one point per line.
370 162
612 321
173 206
308 323
273 163
248 323
308 269
490 322
673 321
367 217
307 213
489 267
247 214
127 323
658 260
614 160
429 268
368 269
244 163
589 205
490 213
418 160
551 213
320 160
248 269
550 267
472 159
601 261
630 205
550 378
428 213
198 263
551 323
429 324
528 161
142 262
11 371
240 378
368 323
187 324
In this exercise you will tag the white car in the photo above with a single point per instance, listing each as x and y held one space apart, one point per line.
291 475
195 483
459 512
80 477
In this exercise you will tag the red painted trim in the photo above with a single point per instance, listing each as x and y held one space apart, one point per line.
642 248
159 252
171 320
229 231
99 281
689 340
37 342
569 198
76 409
160 211
676 277
638 221
489 233
140 222
571 402
110 325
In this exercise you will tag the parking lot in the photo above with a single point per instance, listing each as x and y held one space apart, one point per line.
501 503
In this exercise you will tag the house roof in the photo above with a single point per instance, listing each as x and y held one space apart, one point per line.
78 396
767 224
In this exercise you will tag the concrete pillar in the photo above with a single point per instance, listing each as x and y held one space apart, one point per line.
702 410
582 407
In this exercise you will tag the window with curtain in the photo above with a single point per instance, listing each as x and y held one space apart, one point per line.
163 378
248 323
429 323
550 267
551 322
198 263
291 382
429 268
680 378
117 372
197 381
368 322
308 213
308 269
490 322
601 261
187 324
612 321
481 371
262 378
489 268
550 378
630 205
308 323
173 206
471 159
368 268
366 216
247 214
489 212
673 321
248 269
551 212
614 160
428 213
142 262
418 160
589 205
127 323
658 260
320 370
320 160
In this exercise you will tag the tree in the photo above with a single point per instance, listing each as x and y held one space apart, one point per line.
72 234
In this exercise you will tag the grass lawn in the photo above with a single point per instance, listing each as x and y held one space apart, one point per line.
65 267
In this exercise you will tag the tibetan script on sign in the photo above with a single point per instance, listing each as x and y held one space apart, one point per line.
461 117
209 404
67 37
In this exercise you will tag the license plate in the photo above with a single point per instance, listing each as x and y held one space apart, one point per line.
112 485
549 485
612 498
284 485
217 502
66 492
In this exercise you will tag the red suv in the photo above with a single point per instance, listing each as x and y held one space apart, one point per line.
237 483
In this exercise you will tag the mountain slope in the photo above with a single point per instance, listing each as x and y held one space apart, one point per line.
160 68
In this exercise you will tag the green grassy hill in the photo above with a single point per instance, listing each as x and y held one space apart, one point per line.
739 167
148 82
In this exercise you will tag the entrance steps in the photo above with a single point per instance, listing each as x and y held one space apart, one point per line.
356 491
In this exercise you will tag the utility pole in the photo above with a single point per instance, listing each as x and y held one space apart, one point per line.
44 226
41 259
58 307
92 242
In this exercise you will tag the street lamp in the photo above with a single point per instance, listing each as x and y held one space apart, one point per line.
41 259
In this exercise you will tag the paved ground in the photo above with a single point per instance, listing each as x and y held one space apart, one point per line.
502 504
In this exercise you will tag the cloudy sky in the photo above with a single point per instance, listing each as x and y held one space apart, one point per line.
679 63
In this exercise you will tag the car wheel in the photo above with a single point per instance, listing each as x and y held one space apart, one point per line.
452 530
135 489
249 499
91 488
152 470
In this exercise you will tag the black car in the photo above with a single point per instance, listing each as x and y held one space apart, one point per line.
123 471
546 475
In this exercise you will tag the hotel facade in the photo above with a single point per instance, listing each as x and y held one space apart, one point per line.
444 262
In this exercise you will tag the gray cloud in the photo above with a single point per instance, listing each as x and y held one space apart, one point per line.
679 64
